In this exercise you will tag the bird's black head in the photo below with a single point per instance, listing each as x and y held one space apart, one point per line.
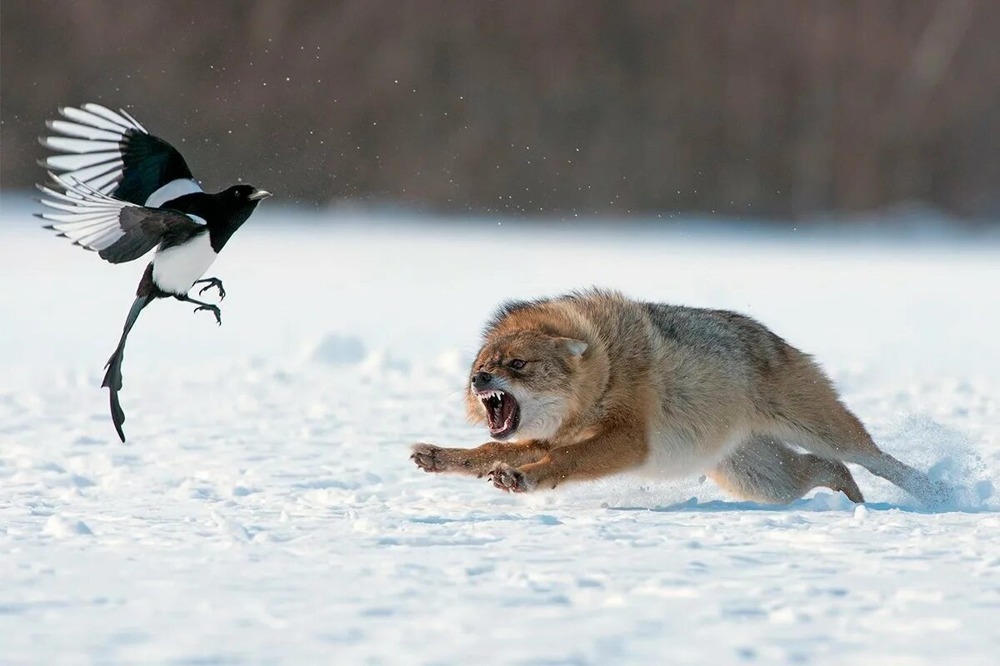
244 195
232 207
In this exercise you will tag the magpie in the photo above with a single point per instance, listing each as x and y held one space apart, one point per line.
116 189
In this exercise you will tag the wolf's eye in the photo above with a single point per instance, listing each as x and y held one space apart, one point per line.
517 364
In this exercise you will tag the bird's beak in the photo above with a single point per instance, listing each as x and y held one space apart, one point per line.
258 195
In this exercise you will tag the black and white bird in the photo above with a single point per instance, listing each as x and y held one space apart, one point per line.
120 191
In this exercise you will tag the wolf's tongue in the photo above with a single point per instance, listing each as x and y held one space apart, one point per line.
505 410
496 415
499 411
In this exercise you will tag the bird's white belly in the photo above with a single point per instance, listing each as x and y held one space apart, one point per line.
176 268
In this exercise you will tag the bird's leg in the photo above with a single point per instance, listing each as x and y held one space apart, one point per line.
214 309
212 282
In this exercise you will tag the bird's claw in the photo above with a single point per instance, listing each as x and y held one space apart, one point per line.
214 310
218 285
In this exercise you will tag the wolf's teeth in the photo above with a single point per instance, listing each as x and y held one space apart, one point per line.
490 395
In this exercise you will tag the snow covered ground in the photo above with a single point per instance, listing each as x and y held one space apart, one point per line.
265 510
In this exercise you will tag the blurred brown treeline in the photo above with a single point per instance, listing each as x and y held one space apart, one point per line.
748 107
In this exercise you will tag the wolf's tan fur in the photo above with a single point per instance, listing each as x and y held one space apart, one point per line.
611 384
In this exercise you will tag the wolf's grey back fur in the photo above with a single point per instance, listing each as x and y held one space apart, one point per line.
737 338
767 369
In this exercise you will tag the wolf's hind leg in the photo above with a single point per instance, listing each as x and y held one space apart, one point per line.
803 408
764 470
838 435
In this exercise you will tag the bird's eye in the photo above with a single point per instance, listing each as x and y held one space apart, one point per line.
517 364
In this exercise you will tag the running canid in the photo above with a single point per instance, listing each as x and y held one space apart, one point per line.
593 383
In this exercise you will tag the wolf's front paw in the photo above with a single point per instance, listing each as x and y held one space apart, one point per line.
429 457
508 478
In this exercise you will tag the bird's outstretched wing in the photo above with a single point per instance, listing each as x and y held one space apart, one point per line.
112 153
118 231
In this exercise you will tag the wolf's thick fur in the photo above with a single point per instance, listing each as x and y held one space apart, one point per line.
603 384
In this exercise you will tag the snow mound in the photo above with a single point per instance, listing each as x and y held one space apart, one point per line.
348 351
380 362
338 349
61 527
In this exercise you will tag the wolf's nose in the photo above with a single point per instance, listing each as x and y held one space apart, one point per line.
481 379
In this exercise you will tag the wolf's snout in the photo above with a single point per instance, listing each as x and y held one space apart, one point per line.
481 380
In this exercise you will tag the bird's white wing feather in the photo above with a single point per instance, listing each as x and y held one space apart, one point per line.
86 215
107 150
90 145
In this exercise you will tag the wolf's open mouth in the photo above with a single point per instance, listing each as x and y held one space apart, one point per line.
502 412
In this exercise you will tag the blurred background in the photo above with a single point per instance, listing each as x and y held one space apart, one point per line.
773 109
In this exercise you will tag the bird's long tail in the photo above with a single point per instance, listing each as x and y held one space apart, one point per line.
113 376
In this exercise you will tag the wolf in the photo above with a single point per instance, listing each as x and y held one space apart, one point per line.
592 384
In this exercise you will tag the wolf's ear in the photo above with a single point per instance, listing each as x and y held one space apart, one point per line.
574 347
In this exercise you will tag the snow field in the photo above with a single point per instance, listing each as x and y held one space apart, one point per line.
265 511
